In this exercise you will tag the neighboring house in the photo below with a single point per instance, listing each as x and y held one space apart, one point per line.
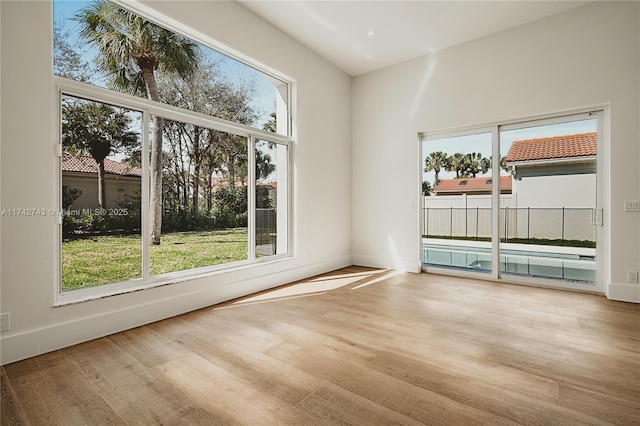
81 173
271 187
471 186
271 190
555 172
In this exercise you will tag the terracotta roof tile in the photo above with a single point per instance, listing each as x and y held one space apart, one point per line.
470 185
569 146
86 164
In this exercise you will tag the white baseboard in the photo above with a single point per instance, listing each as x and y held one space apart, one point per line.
22 345
624 292
387 263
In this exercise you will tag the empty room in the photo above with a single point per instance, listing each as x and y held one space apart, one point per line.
319 212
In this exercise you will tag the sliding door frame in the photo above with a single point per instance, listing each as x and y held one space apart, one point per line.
601 114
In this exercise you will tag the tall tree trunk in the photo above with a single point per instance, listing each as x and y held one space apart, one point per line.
102 193
155 196
208 190
196 170
155 168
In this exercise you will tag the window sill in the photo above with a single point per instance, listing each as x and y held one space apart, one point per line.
114 289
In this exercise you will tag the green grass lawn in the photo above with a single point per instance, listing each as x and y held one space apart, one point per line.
100 260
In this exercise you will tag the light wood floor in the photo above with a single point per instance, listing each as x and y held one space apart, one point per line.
356 346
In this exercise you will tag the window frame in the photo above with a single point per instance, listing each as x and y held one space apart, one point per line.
64 86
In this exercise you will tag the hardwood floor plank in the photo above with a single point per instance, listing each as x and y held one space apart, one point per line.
333 405
229 398
496 394
147 347
313 330
603 406
59 395
130 387
498 421
620 383
218 325
264 373
421 405
11 412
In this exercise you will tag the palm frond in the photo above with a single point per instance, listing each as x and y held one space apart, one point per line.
127 43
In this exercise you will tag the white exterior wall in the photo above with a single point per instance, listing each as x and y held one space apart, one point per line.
469 201
575 192
595 52
322 221
571 191
117 189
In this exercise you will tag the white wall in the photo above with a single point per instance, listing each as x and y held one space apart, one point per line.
118 188
584 57
571 191
322 180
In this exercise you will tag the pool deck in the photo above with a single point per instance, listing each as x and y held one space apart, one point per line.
536 248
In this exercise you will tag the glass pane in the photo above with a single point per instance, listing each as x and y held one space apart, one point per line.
101 187
204 198
188 74
546 225
457 202
271 198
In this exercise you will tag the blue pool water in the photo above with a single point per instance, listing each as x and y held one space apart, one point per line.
567 267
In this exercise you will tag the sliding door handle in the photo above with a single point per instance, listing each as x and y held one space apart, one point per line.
596 217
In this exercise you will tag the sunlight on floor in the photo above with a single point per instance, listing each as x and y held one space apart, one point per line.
315 286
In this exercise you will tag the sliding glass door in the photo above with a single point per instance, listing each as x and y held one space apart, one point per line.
517 201
457 209
547 229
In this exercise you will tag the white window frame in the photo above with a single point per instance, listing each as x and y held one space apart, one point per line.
148 107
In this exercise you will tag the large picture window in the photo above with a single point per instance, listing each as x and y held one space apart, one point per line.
174 158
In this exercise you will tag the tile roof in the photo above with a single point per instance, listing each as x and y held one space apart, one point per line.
569 146
86 164
472 185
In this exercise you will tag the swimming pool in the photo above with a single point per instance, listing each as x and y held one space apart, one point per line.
574 267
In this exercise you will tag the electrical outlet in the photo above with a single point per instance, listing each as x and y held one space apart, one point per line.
632 276
632 206
4 322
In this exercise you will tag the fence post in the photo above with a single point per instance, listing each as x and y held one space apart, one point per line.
451 222
506 224
477 224
528 224
466 222
426 231
562 237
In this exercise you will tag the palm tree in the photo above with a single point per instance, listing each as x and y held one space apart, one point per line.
457 163
426 188
270 126
132 50
476 163
98 130
504 166
435 162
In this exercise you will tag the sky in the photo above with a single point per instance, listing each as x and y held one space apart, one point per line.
482 142
233 71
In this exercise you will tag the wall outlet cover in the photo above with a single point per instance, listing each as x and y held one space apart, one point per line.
4 322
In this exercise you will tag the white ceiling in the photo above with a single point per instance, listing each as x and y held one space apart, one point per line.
339 30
